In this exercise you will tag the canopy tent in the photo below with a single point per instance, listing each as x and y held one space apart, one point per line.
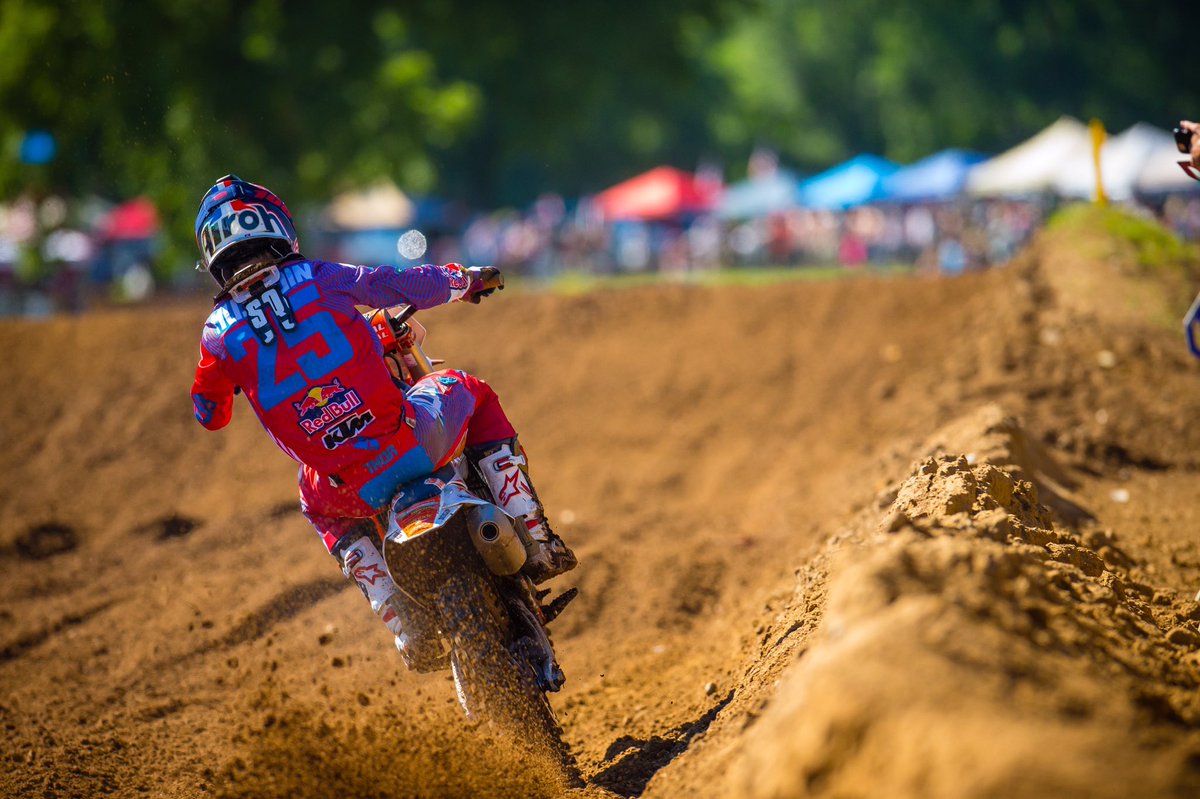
380 207
848 184
760 197
1033 165
1122 159
136 219
937 177
661 193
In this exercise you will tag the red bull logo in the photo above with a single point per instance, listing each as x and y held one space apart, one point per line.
324 404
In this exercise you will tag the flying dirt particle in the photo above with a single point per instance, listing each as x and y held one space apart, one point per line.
891 353
363 700
1101 417
337 663
971 458
1119 495
323 639
566 516
1106 359
710 688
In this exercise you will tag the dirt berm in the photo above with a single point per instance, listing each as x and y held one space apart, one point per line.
874 537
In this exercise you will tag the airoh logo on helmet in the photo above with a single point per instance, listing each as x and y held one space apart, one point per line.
234 211
239 220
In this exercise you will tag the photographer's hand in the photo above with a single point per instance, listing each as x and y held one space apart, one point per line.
1194 127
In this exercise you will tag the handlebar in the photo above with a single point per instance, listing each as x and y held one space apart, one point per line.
401 316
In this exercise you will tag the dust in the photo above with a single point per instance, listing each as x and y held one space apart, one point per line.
387 751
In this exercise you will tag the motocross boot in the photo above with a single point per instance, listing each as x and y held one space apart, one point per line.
362 562
504 470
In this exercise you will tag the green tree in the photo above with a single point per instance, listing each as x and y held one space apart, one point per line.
575 95
824 80
163 98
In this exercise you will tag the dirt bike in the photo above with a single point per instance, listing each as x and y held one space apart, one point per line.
456 558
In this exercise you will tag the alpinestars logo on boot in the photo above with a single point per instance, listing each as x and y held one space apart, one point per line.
511 488
369 574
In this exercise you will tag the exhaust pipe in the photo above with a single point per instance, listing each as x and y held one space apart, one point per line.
497 539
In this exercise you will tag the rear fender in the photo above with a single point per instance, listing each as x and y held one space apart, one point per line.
411 519
426 506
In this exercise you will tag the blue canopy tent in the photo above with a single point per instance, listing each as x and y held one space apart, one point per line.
848 184
760 197
938 177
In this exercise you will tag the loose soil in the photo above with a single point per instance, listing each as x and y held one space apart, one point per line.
877 537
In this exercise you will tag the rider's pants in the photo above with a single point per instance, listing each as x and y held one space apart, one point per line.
451 409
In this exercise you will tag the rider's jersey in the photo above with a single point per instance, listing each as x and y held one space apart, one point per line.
309 363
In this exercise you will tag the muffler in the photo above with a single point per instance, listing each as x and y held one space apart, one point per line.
496 538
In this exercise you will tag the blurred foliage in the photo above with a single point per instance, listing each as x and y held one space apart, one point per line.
826 80
163 98
576 95
493 102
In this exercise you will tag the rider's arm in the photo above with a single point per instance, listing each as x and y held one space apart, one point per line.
212 392
382 287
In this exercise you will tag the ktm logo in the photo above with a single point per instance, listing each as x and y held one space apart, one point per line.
347 429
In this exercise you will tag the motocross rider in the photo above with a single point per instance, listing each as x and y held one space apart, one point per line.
284 330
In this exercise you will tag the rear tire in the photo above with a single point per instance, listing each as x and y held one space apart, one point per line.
494 686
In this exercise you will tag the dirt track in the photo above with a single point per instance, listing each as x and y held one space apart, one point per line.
766 491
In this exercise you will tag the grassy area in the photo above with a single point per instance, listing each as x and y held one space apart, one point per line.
574 283
1153 247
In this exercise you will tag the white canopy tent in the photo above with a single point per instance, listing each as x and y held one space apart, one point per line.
1122 160
1033 165
382 206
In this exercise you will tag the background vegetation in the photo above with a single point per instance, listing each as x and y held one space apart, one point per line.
493 102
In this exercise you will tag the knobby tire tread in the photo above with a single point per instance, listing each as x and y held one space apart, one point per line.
477 626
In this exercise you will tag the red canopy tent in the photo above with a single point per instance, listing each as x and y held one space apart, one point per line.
661 193
136 219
